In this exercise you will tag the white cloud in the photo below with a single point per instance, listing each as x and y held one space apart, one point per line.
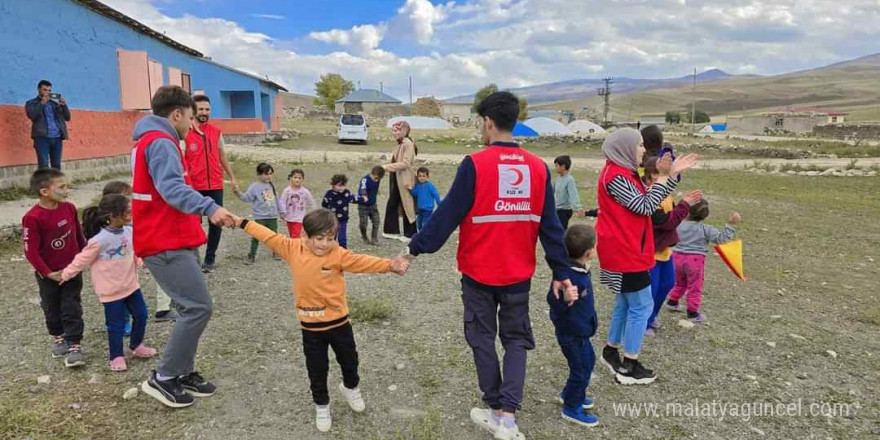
269 16
459 47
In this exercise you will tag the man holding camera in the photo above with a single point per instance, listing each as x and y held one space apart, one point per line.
49 115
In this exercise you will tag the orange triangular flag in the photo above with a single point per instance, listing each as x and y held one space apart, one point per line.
732 254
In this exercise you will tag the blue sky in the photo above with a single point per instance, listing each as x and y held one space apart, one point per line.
453 48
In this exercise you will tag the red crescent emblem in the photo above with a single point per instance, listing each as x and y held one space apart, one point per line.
519 177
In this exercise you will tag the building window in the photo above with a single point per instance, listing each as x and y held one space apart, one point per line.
778 122
155 76
186 82
134 79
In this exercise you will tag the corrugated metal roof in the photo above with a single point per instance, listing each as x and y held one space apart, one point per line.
139 27
369 95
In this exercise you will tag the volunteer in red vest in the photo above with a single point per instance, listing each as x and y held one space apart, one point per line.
207 163
167 212
502 201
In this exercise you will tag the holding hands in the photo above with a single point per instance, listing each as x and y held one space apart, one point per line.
399 265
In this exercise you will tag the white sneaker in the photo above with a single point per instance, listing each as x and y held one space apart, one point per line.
486 420
323 421
354 398
391 236
508 433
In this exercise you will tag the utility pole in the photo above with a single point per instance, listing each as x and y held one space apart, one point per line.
410 96
381 87
694 103
605 92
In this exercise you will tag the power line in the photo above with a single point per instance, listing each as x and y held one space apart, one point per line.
605 92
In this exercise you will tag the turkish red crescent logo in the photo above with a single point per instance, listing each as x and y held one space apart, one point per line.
519 177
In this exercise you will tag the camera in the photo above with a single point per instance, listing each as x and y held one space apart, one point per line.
55 96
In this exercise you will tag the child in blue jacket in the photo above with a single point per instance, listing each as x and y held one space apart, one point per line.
575 324
426 196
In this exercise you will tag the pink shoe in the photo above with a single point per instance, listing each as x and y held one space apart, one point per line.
143 352
118 364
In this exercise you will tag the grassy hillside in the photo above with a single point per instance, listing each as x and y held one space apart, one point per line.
849 86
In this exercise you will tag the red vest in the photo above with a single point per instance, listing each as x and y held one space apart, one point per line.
203 157
160 227
497 237
625 240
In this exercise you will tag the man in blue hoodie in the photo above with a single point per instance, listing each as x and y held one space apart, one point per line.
168 231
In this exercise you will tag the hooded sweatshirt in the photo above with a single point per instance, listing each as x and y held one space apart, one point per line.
167 170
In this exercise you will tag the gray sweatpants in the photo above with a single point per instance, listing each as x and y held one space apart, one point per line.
180 276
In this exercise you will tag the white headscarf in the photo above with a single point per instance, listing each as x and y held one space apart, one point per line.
621 147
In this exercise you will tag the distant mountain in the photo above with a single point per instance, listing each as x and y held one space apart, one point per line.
848 86
584 88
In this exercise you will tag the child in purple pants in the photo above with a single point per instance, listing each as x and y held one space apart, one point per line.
690 258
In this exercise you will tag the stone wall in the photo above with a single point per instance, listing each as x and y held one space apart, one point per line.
20 175
848 132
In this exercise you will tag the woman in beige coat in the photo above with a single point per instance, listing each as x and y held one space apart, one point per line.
402 174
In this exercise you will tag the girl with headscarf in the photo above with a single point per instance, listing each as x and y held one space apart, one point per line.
626 245
402 173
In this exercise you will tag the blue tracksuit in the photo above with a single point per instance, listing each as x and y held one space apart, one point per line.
575 326
426 195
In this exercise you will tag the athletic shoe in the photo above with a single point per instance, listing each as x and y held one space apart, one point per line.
391 236
655 324
250 260
196 385
209 267
353 397
365 239
633 373
650 332
323 420
374 242
580 417
486 420
588 402
59 348
507 430
699 317
142 352
118 364
169 392
672 307
611 359
75 357
166 315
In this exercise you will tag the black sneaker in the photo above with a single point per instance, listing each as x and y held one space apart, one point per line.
250 260
611 359
166 315
633 373
169 392
196 385
209 267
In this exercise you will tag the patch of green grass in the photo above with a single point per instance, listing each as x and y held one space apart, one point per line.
371 309
37 419
14 193
429 381
427 427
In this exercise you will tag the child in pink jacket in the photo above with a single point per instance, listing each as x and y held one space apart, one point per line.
110 256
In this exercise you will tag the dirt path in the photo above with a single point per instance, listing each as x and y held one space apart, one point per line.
11 212
271 154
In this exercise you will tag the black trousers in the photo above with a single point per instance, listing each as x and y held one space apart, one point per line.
564 217
214 232
62 306
393 210
315 344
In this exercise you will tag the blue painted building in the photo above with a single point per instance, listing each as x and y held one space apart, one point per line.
104 61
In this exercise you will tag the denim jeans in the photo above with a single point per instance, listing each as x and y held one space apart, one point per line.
48 152
662 281
422 218
114 314
630 319
578 351
342 234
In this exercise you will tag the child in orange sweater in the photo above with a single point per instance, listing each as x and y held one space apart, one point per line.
318 264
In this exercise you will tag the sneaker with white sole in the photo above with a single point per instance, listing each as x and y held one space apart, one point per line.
196 385
353 397
169 392
485 419
674 307
611 359
323 420
507 430
74 357
579 416
632 372
391 236
59 348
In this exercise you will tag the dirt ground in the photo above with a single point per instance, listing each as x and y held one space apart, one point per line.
811 252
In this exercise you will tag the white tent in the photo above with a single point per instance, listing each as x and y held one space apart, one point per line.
583 126
421 122
548 127
707 129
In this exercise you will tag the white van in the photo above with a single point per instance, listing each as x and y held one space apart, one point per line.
353 128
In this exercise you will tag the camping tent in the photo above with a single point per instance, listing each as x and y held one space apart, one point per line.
548 127
583 126
707 129
421 122
521 130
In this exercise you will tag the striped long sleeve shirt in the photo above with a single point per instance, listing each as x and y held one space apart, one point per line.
627 194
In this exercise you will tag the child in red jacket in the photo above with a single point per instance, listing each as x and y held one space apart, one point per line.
626 245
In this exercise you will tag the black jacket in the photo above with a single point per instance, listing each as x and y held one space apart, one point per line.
40 129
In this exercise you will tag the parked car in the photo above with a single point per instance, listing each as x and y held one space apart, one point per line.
353 128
